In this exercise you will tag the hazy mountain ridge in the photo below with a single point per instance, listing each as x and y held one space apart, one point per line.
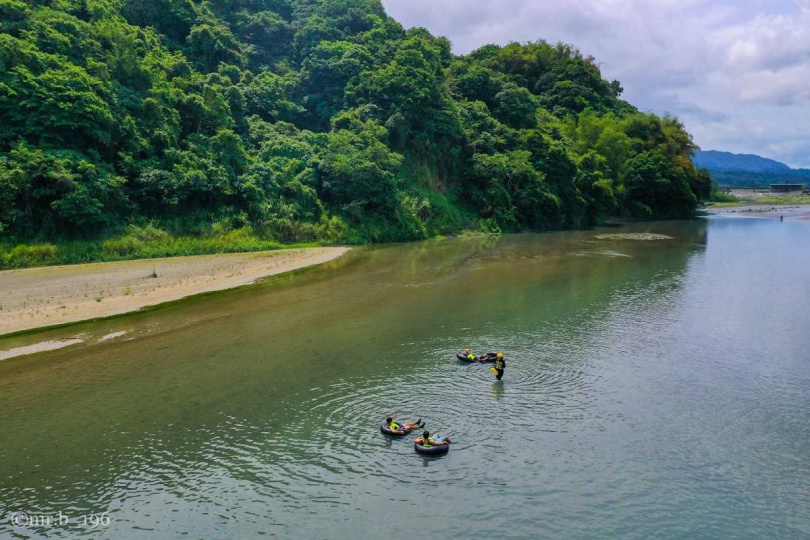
747 170
726 161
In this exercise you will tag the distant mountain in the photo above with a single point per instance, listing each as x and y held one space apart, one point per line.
748 170
726 161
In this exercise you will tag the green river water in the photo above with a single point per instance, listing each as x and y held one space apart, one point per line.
654 389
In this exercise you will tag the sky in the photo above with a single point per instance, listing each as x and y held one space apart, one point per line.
735 72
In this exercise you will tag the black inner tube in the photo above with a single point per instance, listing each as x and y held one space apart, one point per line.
431 449
401 433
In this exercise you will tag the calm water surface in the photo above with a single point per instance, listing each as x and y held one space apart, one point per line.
656 389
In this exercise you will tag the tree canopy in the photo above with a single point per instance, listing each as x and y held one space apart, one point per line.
312 120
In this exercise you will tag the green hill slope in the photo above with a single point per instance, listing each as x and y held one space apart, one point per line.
310 120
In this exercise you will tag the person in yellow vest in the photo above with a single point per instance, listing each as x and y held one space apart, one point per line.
397 427
436 440
469 354
499 366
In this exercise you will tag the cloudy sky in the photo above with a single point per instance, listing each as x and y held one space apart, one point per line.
736 72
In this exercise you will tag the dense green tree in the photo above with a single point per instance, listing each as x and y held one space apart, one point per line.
357 170
54 191
268 96
655 189
211 43
327 71
513 191
475 82
515 106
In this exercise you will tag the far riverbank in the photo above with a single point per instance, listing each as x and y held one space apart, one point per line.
794 211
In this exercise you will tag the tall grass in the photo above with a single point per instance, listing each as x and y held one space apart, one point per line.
721 200
137 243
720 197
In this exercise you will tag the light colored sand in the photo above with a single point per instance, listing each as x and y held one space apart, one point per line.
112 335
39 347
797 211
38 297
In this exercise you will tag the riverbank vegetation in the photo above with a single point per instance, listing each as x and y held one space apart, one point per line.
720 199
725 200
135 243
222 123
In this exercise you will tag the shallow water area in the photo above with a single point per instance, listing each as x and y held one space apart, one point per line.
654 389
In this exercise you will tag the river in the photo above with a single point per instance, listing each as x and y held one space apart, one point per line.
654 389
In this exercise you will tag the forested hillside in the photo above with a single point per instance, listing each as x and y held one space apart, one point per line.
310 120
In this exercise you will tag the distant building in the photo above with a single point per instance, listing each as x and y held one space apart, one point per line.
787 188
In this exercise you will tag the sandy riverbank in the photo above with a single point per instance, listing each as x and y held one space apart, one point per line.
793 211
38 297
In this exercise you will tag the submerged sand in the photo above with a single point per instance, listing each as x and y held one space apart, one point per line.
39 297
644 237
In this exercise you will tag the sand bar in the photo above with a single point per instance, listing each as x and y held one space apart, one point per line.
39 297
793 211
39 347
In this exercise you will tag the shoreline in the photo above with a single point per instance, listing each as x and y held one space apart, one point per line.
767 211
43 297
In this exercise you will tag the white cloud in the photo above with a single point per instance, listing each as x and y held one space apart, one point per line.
737 72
